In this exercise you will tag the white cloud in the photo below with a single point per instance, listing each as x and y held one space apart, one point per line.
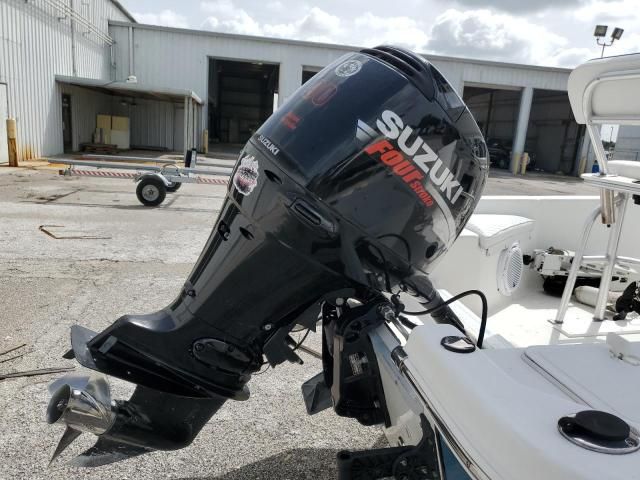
166 18
317 25
604 11
614 13
520 6
226 17
540 37
502 37
402 31
275 5
571 57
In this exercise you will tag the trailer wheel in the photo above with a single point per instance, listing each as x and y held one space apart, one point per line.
151 191
173 186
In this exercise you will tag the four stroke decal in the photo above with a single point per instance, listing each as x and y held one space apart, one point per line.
414 162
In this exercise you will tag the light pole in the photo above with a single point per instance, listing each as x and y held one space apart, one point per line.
601 31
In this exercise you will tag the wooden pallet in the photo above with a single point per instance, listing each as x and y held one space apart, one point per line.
99 148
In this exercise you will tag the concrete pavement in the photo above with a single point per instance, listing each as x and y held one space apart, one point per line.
138 266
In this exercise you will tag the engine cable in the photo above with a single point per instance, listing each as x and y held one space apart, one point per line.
385 269
485 308
304 337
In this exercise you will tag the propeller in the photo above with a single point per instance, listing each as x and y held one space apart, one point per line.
150 420
83 404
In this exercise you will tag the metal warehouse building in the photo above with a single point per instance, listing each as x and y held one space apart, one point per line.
63 63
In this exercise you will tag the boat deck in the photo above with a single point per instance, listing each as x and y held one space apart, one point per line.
528 321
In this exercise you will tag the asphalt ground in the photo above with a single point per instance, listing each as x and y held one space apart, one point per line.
502 182
136 263
115 257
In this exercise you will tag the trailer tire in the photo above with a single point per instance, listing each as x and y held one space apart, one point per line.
151 191
173 186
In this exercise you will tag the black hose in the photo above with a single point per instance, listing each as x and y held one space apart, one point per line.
485 308
402 239
387 277
302 341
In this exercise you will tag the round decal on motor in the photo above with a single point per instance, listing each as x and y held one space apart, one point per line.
246 177
348 68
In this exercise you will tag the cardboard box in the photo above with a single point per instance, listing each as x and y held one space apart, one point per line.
120 123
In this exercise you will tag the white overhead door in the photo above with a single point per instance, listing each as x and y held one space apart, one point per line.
4 149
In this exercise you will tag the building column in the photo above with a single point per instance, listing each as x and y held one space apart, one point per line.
521 127
584 161
290 79
187 101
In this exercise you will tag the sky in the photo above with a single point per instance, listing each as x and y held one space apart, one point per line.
537 32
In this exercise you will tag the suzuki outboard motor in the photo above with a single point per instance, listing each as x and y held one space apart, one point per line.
354 187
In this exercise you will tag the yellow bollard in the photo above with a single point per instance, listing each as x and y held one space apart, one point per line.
515 163
12 133
524 161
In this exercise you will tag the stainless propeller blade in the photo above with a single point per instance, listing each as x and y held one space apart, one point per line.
67 439
77 382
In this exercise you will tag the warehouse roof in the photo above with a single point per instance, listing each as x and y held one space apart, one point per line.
131 89
124 10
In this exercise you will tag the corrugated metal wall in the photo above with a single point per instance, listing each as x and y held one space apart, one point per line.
152 122
627 143
179 59
461 71
35 45
85 106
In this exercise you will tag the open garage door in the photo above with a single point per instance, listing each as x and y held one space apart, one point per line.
108 116
241 98
496 111
553 136
308 73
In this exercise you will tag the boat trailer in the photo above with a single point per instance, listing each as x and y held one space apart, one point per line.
153 181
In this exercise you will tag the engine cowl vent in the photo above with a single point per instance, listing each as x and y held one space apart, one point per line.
416 69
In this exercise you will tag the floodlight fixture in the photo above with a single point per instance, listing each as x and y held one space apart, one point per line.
600 31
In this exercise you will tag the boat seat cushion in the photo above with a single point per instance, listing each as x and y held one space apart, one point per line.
499 230
625 168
